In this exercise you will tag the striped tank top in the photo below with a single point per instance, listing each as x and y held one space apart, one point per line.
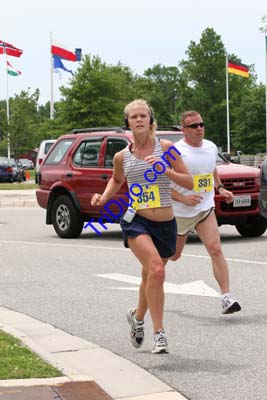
134 170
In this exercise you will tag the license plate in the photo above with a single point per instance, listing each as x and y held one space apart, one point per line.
242 201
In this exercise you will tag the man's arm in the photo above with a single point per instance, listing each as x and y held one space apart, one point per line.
228 196
189 200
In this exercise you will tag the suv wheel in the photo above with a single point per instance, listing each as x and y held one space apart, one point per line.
66 218
254 226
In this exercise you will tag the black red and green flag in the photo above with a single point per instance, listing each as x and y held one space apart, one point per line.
238 69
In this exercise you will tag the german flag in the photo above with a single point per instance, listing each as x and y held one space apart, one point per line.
238 69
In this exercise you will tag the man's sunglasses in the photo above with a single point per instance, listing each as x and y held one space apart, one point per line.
195 126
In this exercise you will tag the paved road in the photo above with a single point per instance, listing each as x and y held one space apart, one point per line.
65 283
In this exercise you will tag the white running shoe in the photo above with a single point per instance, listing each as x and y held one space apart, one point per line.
137 334
229 304
160 342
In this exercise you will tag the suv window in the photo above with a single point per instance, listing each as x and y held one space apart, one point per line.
58 152
87 153
113 146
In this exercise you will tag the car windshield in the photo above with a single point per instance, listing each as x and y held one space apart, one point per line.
221 159
173 137
48 145
59 151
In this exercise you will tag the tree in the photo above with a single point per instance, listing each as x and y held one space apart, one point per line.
23 118
97 95
248 129
3 124
202 85
161 87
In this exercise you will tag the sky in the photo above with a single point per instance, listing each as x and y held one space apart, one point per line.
139 34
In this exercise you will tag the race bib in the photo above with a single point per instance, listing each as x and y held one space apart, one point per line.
149 198
203 183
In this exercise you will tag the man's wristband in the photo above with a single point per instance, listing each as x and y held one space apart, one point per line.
220 186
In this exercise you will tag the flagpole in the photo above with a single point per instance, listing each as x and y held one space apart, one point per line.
7 113
227 108
51 81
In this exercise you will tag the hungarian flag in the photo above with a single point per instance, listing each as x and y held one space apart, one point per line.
62 52
238 68
12 71
9 49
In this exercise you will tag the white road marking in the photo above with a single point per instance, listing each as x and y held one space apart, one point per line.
228 259
120 249
196 288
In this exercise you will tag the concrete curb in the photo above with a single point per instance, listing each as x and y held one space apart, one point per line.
120 378
18 198
4 203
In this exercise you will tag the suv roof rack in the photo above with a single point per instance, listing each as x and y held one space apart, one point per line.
170 128
99 129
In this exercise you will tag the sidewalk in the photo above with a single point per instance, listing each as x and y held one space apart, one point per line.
18 198
90 372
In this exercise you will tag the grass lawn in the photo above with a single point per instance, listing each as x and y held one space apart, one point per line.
32 173
18 186
18 362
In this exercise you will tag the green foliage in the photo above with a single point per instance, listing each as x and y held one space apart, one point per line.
18 186
248 129
23 122
161 87
97 95
202 84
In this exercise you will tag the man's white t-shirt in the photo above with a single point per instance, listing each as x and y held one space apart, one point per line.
200 161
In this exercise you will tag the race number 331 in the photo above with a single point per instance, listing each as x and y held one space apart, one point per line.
203 183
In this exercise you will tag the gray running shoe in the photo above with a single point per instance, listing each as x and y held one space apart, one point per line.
230 305
137 334
160 343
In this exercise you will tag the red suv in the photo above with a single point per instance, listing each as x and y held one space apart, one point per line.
80 164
